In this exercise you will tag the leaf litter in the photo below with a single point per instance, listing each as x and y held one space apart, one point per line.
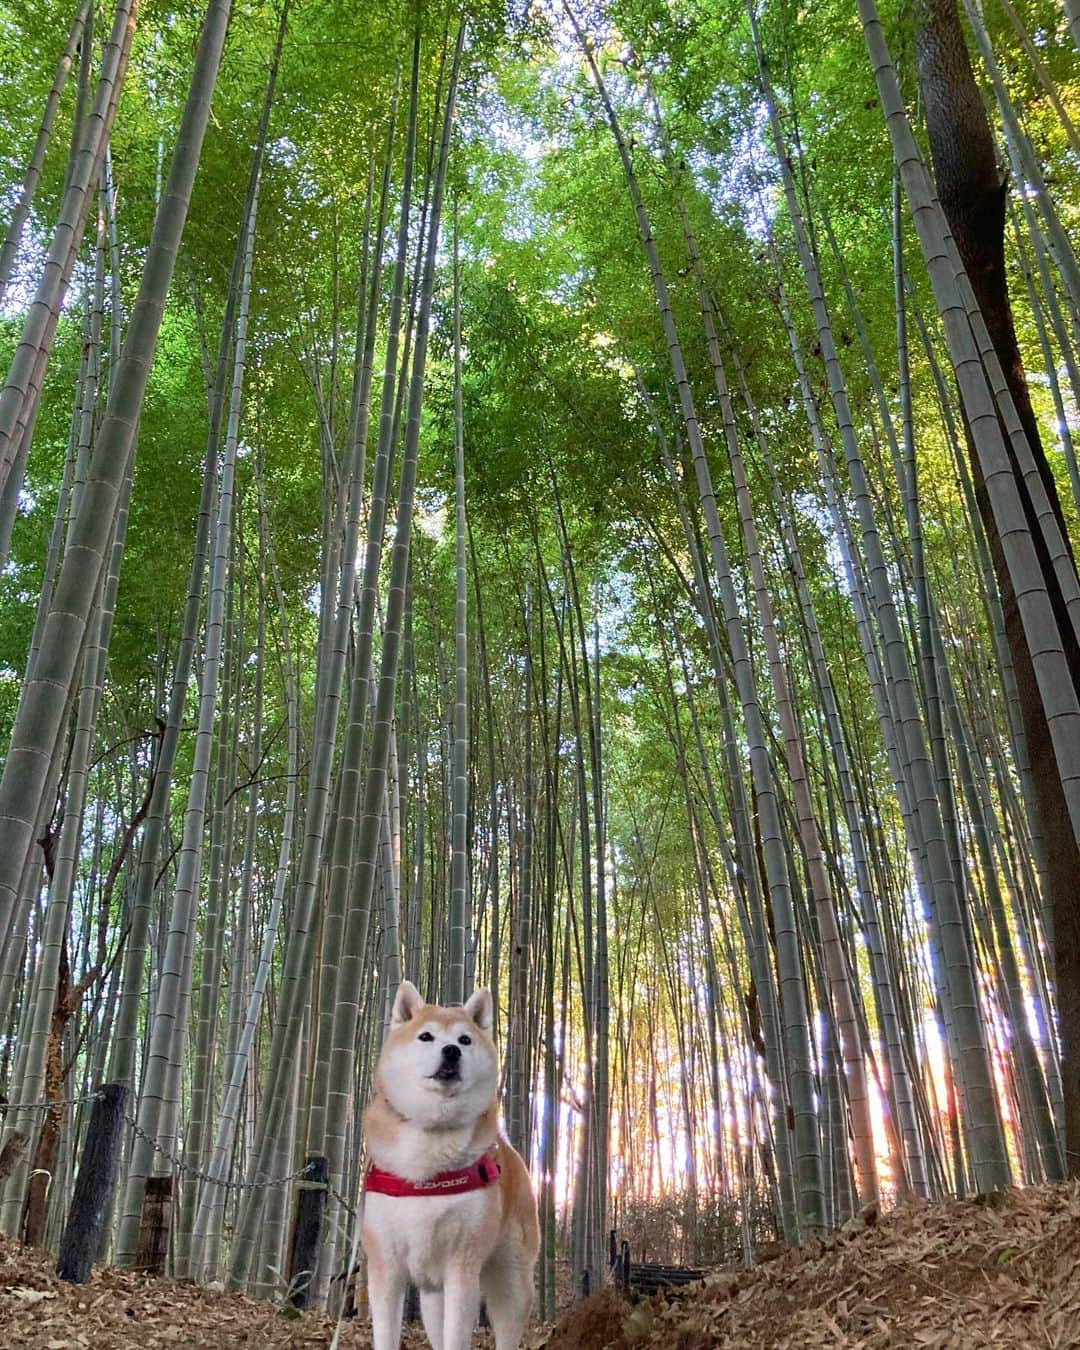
123 1310
953 1275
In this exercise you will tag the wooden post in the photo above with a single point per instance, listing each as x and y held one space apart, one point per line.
624 1265
93 1187
154 1225
309 1212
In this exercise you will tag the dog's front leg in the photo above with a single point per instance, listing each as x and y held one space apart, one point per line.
386 1295
431 1313
461 1307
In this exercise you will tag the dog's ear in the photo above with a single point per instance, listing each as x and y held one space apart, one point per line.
479 1008
407 1001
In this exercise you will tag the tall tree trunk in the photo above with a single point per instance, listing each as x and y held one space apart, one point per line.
43 702
945 903
972 195
19 395
792 986
10 247
459 862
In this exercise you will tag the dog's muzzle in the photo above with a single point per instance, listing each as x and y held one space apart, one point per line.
449 1070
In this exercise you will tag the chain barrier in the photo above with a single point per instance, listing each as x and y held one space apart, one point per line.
336 1194
187 1170
184 1168
5 1107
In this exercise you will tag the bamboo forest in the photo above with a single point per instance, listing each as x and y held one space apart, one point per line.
577 498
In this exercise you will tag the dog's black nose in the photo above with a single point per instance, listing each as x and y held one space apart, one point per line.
451 1053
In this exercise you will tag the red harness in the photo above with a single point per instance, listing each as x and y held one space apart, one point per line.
482 1173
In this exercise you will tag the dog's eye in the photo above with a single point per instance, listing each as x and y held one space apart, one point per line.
464 1040
425 1036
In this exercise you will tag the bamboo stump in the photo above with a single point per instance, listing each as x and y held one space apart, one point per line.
156 1221
93 1187
309 1214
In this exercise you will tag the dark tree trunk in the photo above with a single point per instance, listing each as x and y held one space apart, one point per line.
94 1186
307 1231
44 1161
972 194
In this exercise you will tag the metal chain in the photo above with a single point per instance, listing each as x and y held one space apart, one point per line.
176 1162
5 1107
336 1194
187 1170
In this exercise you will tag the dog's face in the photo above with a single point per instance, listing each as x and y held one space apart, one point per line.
438 1065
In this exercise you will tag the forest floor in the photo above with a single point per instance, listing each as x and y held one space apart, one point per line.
120 1310
961 1274
965 1274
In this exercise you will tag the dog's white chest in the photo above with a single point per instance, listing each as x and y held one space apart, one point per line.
426 1234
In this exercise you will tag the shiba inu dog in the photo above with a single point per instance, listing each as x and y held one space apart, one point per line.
448 1203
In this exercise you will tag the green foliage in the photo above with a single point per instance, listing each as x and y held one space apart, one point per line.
562 460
